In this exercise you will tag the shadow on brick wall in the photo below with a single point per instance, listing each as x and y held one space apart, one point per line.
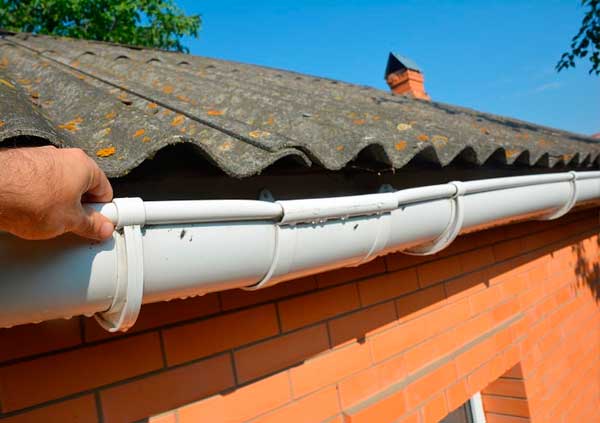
587 268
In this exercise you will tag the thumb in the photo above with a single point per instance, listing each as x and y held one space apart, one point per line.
93 225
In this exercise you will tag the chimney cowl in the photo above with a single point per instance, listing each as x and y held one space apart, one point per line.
404 76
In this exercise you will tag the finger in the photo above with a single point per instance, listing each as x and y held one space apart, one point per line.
93 225
99 189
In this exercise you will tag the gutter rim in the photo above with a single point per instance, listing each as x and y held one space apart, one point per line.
258 210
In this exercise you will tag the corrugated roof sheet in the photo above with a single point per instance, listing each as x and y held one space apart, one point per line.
122 104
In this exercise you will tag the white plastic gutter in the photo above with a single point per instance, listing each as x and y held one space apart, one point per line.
175 249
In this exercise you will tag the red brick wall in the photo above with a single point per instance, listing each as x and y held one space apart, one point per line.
505 399
399 339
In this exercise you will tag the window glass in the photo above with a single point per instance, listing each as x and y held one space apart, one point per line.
462 414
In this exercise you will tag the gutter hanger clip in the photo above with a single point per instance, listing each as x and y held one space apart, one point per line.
127 301
570 202
452 230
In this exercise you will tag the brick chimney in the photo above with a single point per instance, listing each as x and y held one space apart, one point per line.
404 77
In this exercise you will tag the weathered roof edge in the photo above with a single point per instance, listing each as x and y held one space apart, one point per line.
317 120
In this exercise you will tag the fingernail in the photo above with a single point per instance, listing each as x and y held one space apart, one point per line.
106 230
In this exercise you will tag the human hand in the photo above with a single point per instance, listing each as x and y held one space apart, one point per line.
42 190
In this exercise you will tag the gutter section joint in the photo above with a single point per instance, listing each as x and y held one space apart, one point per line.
285 246
452 230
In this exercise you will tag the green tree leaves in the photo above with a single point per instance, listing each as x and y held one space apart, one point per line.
147 23
587 41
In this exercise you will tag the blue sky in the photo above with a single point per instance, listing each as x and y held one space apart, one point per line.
493 56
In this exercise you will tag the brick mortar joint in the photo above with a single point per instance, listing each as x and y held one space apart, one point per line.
386 392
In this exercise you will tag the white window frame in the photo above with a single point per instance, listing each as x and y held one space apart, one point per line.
476 406
471 411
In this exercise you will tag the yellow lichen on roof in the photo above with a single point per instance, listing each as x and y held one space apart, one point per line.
226 146
258 134
72 125
8 84
106 152
177 120
400 145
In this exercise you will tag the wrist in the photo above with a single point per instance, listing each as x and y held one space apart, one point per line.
7 178
25 179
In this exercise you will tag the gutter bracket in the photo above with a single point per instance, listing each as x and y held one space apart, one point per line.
384 188
266 195
129 292
452 230
570 202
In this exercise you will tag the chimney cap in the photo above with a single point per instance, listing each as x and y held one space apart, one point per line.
397 62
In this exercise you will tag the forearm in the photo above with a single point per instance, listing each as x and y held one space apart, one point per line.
24 185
